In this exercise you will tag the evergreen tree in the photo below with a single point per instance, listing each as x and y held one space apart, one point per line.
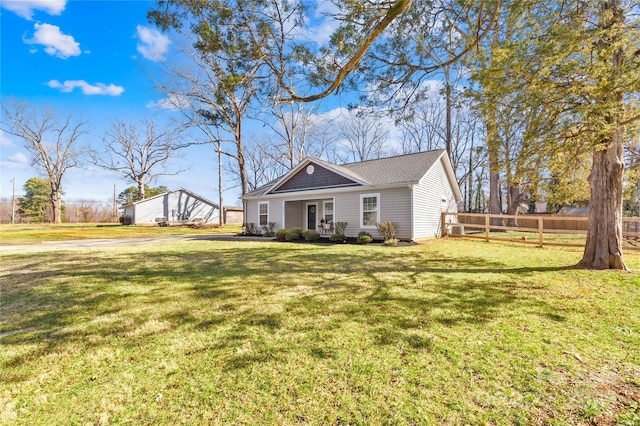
131 195
36 200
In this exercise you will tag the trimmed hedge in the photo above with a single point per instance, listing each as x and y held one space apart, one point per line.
292 236
312 236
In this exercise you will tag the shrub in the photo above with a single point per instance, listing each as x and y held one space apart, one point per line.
337 238
267 229
388 230
365 239
292 236
126 220
306 232
391 242
297 230
339 227
361 233
251 229
312 236
281 234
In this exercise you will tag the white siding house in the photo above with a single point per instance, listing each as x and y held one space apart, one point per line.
412 190
174 206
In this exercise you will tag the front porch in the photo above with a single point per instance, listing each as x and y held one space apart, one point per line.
315 214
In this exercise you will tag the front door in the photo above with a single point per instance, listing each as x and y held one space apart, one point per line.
311 216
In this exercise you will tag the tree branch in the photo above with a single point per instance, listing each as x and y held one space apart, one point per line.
398 7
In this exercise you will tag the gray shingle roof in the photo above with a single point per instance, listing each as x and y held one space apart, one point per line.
384 171
398 169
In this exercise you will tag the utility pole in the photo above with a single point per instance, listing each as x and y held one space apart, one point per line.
13 201
115 206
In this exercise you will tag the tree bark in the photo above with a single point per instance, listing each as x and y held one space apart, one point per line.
221 218
242 166
56 206
141 191
494 167
603 249
514 201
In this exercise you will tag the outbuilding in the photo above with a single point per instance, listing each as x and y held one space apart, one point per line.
177 206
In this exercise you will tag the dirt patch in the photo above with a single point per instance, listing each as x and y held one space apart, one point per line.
623 395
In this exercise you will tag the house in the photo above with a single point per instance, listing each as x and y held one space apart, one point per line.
179 205
412 190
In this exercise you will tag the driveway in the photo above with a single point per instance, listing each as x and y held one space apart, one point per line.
75 244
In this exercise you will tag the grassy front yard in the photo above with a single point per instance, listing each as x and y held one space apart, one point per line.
33 234
454 332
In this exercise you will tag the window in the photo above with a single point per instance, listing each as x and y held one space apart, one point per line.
369 210
263 212
328 211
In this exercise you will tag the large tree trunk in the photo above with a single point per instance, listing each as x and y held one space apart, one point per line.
221 218
603 249
141 192
515 199
449 108
494 167
242 167
56 206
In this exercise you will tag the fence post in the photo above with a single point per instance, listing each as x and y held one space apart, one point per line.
442 224
540 231
486 224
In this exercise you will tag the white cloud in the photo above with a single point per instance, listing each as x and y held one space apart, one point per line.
17 161
4 139
153 45
172 102
320 23
26 8
19 158
55 43
88 89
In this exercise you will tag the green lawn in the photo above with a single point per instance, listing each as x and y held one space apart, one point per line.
33 234
206 332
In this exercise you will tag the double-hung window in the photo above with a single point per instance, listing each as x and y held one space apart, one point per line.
328 211
369 210
263 212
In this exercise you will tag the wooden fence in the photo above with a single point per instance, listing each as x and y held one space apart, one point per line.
481 226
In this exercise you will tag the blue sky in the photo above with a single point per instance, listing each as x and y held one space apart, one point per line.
90 58
94 59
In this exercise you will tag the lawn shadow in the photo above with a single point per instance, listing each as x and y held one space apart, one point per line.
72 297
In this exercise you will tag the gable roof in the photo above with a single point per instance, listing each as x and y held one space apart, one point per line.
193 194
406 168
400 169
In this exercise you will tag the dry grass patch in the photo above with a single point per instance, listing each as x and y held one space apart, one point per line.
17 234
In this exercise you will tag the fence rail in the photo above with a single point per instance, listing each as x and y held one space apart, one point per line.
481 226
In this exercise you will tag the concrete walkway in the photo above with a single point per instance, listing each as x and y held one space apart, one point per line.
75 244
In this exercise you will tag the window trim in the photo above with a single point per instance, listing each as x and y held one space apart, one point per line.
261 203
333 210
362 197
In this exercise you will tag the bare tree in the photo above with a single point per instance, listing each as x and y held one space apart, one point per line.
423 129
51 142
139 154
88 211
294 127
365 136
262 163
